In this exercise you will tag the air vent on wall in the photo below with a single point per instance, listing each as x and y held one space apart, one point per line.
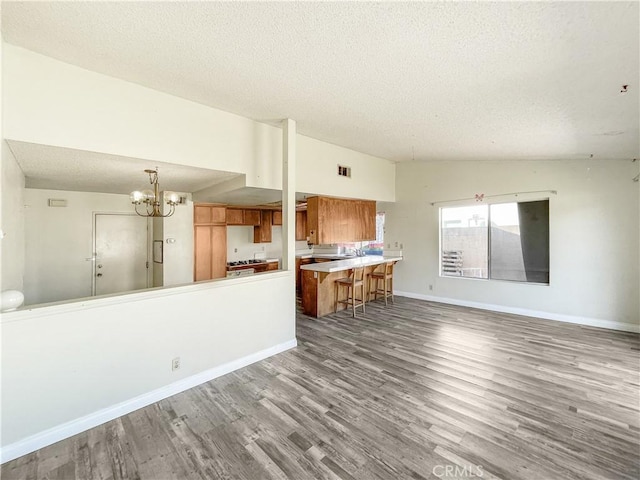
57 202
344 171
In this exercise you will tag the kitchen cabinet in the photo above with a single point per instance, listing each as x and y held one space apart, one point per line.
338 220
301 225
235 216
252 217
210 252
210 242
262 233
319 282
299 262
277 217
206 214
240 216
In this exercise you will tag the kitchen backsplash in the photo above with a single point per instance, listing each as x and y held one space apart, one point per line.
240 244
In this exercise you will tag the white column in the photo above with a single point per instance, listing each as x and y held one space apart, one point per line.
288 194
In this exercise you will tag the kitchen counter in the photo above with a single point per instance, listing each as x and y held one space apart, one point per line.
336 256
318 281
349 263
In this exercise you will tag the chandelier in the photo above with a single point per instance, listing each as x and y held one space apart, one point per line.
151 199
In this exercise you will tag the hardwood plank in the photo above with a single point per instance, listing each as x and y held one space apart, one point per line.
392 394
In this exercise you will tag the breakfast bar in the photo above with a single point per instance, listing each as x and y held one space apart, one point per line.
318 281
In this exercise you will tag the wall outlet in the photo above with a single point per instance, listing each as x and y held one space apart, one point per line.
235 250
401 246
395 244
175 363
430 287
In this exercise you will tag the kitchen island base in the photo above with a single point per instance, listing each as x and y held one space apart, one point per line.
319 291
319 282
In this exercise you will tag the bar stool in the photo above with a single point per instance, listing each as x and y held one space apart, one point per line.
355 280
386 276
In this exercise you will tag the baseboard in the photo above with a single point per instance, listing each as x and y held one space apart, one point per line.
66 430
591 322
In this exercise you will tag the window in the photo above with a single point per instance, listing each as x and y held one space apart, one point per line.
376 246
502 241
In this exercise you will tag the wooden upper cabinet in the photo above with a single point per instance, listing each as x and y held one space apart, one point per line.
219 215
235 216
301 225
201 214
368 224
262 233
206 214
252 217
337 220
313 213
241 216
301 222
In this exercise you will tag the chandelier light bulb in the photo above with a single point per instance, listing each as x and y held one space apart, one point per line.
172 198
136 197
149 196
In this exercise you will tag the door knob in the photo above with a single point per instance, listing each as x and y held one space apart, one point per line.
99 275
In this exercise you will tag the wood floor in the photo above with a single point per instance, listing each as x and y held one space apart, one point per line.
415 390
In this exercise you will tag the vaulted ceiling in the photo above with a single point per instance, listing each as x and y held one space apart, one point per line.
403 81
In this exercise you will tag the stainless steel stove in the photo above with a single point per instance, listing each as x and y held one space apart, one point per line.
240 263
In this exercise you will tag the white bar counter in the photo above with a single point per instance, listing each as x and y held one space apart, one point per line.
349 263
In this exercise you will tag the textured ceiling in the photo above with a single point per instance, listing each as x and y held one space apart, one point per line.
58 168
417 80
245 196
248 196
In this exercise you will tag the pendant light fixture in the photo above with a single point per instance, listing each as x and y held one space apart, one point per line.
151 198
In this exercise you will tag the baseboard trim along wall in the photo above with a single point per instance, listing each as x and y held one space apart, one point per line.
591 322
66 430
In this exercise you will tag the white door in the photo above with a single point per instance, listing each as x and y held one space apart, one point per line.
121 262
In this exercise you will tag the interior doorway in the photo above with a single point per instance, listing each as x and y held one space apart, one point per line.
121 246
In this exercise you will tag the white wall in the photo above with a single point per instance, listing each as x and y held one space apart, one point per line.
372 178
177 266
240 244
80 359
12 256
157 273
594 236
58 240
54 103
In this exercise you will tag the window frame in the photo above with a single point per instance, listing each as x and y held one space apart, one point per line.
488 203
